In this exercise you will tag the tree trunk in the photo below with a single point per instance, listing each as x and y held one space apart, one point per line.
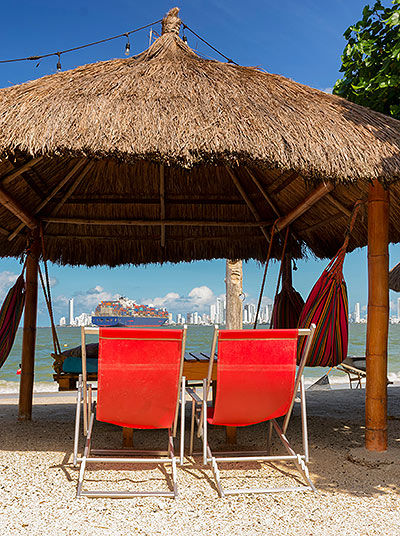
234 312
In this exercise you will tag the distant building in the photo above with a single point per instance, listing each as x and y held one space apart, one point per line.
83 320
63 321
71 312
357 315
398 309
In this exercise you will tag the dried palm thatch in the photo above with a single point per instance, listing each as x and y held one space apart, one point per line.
167 156
394 278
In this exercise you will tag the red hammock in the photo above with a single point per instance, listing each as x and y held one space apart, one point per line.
327 307
10 315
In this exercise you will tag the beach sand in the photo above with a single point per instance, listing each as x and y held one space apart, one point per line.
358 494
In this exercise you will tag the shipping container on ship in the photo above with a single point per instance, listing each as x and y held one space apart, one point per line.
127 313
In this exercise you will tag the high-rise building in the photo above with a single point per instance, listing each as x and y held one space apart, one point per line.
398 309
63 321
213 313
71 312
357 315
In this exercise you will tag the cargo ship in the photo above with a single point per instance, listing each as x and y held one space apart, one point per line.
126 313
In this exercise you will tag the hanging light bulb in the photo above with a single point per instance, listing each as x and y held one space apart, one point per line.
127 46
59 62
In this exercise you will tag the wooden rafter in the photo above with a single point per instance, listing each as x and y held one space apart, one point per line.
15 173
322 223
305 205
152 223
72 189
129 238
338 205
11 204
50 196
162 203
289 179
263 192
248 202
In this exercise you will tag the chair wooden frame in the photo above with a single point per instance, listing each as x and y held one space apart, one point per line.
85 404
199 413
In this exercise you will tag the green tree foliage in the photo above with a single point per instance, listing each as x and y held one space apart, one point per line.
371 60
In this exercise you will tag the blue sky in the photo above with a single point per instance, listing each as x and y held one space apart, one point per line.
301 40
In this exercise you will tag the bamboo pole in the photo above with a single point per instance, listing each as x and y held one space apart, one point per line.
143 223
234 312
15 173
29 333
378 319
11 204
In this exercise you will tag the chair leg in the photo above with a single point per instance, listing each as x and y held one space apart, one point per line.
298 461
182 438
304 419
77 419
86 453
192 428
204 430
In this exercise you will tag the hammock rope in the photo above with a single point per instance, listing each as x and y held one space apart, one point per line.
265 275
327 307
47 295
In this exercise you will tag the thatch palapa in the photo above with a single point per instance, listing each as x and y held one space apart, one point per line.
182 158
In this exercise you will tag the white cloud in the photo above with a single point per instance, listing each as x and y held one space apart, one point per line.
199 298
86 300
7 280
327 89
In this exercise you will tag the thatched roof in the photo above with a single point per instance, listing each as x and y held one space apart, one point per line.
159 136
394 278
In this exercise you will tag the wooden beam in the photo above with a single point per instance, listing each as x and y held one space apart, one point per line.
29 332
322 223
263 192
71 190
338 205
162 204
291 177
305 205
7 200
378 318
152 223
118 237
155 202
50 196
15 173
248 201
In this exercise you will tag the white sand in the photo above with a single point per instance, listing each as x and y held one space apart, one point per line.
357 494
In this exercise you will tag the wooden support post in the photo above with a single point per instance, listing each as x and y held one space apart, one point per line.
29 333
378 319
127 438
234 312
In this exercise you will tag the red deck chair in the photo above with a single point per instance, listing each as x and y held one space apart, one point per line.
139 383
256 382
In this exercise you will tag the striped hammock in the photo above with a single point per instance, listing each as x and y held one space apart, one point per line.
327 307
10 315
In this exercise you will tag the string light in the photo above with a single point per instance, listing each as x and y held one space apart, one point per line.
127 46
73 49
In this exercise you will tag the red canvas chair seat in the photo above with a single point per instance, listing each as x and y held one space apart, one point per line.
138 378
255 376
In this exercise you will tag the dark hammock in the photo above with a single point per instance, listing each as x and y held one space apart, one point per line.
287 309
10 315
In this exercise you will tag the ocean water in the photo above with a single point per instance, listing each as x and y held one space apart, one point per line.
198 340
